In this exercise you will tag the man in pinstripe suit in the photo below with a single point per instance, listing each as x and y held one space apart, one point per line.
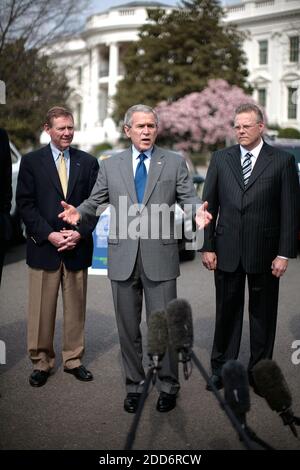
252 191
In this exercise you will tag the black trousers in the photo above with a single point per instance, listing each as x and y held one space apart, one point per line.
263 306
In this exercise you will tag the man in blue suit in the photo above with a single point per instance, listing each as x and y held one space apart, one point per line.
56 253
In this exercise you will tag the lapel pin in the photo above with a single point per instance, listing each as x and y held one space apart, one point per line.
159 163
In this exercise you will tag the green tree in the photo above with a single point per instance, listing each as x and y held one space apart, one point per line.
178 53
289 133
33 85
37 22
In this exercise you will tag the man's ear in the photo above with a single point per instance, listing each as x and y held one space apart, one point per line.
46 128
127 130
261 127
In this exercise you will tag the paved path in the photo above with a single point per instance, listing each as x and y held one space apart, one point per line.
67 414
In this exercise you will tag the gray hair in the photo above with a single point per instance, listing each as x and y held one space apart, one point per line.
247 108
139 108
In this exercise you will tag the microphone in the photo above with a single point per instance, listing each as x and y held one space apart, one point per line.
272 385
180 327
236 389
157 346
157 336
237 396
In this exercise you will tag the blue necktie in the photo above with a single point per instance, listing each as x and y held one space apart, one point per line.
140 178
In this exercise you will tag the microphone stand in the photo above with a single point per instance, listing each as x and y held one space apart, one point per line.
290 420
245 434
255 438
150 377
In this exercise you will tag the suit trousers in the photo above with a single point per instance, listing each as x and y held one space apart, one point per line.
263 305
43 294
128 300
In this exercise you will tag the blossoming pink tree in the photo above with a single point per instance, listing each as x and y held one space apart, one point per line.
199 120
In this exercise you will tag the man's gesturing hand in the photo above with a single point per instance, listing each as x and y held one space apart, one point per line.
203 217
70 214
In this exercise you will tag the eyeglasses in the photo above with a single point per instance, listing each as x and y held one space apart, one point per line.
246 127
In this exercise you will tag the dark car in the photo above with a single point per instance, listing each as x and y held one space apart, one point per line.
292 146
289 145
184 224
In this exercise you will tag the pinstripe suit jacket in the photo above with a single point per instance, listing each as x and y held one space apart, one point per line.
253 224
168 182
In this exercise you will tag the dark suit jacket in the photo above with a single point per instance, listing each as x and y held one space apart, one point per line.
256 223
39 195
5 186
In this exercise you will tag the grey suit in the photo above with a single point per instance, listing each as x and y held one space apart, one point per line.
148 261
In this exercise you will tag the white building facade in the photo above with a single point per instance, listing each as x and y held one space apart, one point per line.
272 50
93 62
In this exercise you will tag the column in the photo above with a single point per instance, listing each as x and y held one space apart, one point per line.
113 73
94 88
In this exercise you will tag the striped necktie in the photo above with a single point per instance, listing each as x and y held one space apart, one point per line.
247 167
62 173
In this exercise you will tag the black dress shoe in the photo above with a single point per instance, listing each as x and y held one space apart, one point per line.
38 378
166 402
81 373
217 381
131 402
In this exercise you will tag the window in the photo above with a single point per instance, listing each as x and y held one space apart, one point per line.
104 62
263 52
78 112
103 103
294 49
79 75
262 97
292 103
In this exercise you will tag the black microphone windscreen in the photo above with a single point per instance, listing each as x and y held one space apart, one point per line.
180 324
272 385
236 387
157 334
